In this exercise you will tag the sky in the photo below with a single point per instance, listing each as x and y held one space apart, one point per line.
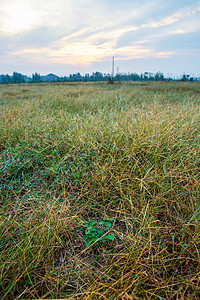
70 36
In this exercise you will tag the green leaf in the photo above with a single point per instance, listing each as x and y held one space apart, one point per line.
110 237
108 224
92 222
101 231
102 222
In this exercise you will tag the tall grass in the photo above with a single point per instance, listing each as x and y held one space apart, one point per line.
76 153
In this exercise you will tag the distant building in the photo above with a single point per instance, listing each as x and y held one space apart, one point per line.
49 78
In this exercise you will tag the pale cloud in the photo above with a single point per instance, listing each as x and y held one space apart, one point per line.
101 45
95 46
18 17
92 54
174 18
164 54
82 33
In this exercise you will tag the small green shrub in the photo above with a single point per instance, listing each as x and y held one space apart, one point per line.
98 232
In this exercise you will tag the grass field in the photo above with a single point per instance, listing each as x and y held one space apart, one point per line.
100 191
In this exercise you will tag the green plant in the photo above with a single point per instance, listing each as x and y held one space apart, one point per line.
98 231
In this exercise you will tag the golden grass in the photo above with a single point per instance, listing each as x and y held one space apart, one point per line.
75 153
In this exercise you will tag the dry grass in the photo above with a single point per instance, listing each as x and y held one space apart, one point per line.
75 153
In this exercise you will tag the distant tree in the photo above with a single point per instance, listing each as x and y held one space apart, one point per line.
36 78
151 76
6 79
118 77
86 77
134 77
159 76
18 77
75 77
141 77
145 76
78 77
97 76
185 77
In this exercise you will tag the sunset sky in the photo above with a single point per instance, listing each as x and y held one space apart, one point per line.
70 36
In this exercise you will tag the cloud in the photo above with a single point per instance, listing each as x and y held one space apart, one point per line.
84 32
153 33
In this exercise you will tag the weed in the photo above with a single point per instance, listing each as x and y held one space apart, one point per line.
94 234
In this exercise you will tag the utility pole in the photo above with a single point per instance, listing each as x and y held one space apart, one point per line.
113 67
111 78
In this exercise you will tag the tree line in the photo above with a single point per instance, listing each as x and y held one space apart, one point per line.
94 77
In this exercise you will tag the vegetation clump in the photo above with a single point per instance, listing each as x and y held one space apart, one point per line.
110 80
100 191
